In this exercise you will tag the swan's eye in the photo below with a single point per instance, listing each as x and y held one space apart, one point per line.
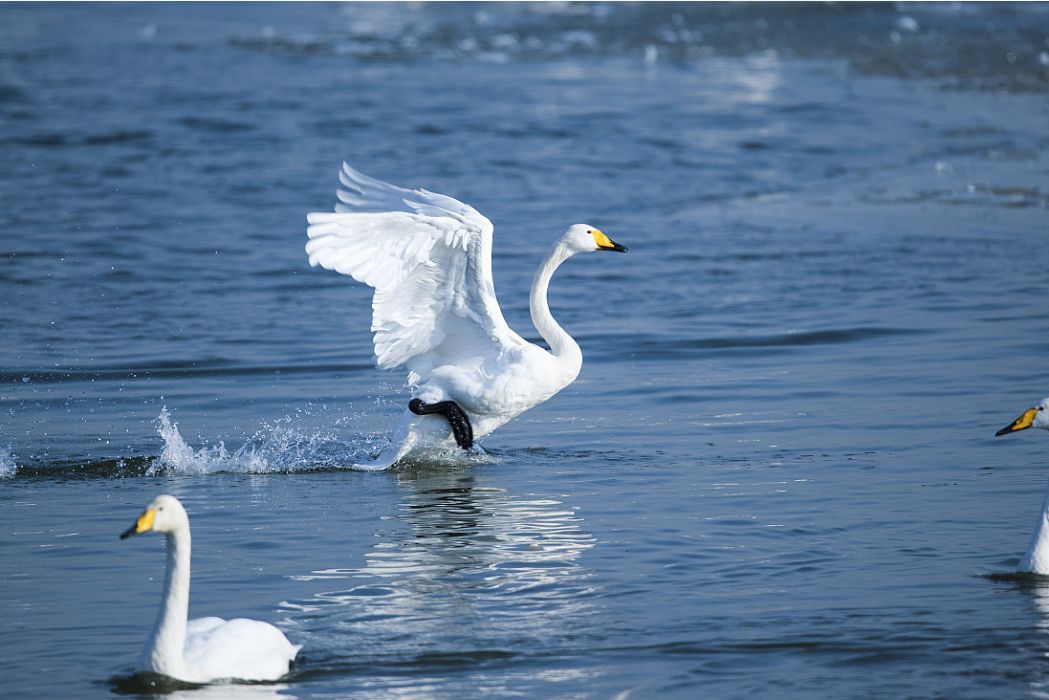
589 231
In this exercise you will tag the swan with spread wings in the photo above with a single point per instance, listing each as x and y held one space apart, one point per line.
429 258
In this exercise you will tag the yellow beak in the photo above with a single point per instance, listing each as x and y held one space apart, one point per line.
606 243
143 524
1022 423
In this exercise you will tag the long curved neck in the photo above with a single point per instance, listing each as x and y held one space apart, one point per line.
1036 559
166 647
561 344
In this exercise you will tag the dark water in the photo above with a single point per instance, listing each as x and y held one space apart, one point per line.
776 475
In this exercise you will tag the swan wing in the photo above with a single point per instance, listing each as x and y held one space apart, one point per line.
240 648
428 257
200 627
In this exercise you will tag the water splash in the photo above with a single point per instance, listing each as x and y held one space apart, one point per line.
7 463
281 446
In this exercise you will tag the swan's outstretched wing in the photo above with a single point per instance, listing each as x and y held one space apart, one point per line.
429 258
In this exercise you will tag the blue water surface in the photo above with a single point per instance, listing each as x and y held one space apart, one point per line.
776 475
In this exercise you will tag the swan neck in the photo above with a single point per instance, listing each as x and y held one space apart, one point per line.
166 648
1036 560
561 344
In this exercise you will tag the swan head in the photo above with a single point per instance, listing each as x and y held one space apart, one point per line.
1035 417
163 514
582 238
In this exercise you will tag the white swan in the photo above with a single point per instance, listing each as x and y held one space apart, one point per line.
1036 559
207 648
429 258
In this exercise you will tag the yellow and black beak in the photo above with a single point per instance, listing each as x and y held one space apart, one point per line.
606 243
143 524
1022 423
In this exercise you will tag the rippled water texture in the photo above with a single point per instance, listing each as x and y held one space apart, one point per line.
775 476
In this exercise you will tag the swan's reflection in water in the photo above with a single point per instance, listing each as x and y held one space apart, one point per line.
235 691
462 575
148 685
1037 587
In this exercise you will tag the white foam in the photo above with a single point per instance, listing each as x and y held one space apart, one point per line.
7 463
282 446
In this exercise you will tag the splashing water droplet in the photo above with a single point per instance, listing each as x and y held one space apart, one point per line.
284 445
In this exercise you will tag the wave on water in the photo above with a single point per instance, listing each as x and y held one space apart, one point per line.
285 445
975 45
282 446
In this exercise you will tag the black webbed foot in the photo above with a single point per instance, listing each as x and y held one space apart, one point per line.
453 413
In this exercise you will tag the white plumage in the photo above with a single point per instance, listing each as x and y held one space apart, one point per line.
429 258
1036 558
206 648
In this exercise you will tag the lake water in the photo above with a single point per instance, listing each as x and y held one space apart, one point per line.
776 475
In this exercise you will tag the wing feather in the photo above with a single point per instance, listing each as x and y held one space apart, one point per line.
428 257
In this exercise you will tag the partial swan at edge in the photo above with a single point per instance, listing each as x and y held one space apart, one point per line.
206 648
1036 559
429 258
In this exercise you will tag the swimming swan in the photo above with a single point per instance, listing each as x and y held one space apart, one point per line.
1036 560
429 258
207 648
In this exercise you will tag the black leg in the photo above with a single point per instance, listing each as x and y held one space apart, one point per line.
453 413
